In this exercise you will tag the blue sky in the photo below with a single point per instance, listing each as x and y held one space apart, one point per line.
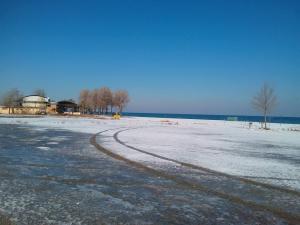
207 57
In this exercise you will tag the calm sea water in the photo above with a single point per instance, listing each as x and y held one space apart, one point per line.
273 119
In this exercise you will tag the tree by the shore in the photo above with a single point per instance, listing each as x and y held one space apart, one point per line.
265 101
99 101
121 99
11 99
83 100
106 96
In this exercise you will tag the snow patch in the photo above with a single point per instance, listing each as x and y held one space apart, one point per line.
43 148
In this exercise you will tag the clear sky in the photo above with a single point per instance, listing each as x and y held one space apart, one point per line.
207 57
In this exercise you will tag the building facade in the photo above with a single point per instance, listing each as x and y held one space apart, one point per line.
35 101
36 105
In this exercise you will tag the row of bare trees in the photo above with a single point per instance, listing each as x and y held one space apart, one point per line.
102 100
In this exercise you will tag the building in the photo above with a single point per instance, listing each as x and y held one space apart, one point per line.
32 104
51 108
67 107
35 101
35 104
5 110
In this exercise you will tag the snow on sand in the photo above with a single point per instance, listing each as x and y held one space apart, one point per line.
271 156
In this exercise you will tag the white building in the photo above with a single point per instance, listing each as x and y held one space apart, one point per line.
35 101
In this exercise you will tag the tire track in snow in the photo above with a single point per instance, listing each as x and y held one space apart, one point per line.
290 218
192 166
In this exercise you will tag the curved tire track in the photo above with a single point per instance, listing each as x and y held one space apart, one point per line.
192 166
290 218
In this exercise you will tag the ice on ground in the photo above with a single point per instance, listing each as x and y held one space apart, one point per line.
43 148
271 156
52 143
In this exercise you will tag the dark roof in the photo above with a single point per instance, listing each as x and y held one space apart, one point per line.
65 102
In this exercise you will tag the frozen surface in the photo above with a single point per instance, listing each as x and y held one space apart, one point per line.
72 182
270 156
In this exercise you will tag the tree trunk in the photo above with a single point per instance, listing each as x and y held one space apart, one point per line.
265 120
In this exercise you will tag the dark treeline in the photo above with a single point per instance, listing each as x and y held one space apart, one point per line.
102 100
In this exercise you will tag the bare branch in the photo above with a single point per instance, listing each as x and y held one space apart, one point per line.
40 92
12 98
265 101
121 99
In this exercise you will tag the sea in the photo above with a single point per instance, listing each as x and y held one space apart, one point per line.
271 119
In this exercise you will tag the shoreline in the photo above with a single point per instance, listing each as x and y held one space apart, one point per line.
109 117
241 118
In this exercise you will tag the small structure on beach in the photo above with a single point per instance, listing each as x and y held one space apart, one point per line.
4 109
67 107
51 108
35 101
35 104
31 104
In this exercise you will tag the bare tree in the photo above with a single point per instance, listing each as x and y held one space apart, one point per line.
93 100
84 100
121 99
106 97
100 102
265 101
90 103
12 98
40 92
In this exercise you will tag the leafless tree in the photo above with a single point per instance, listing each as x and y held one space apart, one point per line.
84 100
90 103
93 100
12 99
100 100
40 92
106 98
265 101
121 99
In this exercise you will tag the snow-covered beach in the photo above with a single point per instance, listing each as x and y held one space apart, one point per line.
268 156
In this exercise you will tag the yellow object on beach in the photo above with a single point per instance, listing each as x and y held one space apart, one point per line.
117 116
